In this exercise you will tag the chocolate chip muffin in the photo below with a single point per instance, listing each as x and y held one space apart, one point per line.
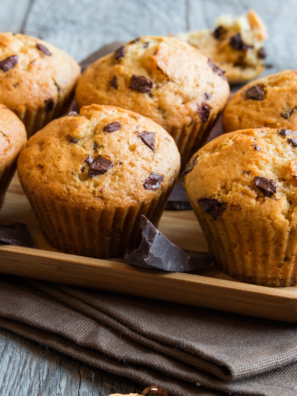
236 45
164 79
12 138
37 80
243 189
269 102
89 178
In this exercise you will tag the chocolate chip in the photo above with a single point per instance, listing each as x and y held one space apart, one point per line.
16 234
262 53
99 166
141 84
148 138
120 52
286 114
267 186
154 390
212 206
73 140
89 160
246 172
190 166
153 182
256 147
254 93
72 113
203 112
43 49
219 32
112 127
216 69
9 63
237 43
114 82
293 141
207 95
49 104
145 45
286 132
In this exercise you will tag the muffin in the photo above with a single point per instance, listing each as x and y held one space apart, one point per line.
89 178
12 138
236 45
37 80
163 79
269 102
243 189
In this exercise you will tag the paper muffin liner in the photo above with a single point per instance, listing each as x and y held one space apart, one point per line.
245 250
6 174
98 233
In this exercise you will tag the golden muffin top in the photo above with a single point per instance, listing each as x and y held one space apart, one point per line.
103 156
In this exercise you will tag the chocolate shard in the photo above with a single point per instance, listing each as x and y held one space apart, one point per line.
112 127
203 112
8 63
238 44
212 206
148 138
219 32
156 251
16 234
254 93
267 186
190 166
141 84
120 52
216 69
286 132
154 390
114 82
178 199
89 160
43 49
72 113
262 53
49 104
153 182
99 166
293 141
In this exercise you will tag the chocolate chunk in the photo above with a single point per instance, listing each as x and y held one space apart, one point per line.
203 112
89 160
73 140
154 390
141 84
262 53
16 234
153 182
254 93
156 251
293 141
216 69
286 132
267 186
49 104
112 127
114 82
237 43
72 113
9 63
190 166
286 114
178 199
148 138
145 45
219 32
43 49
99 166
120 52
256 147
212 206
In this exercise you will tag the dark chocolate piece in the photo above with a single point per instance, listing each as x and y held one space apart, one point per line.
286 132
219 32
16 234
156 251
99 166
148 138
49 104
203 112
154 390
112 127
72 113
293 141
267 186
73 140
145 45
286 114
43 49
190 165
89 160
141 84
212 206
9 63
262 53
237 43
153 182
216 69
256 147
120 52
178 199
254 93
114 82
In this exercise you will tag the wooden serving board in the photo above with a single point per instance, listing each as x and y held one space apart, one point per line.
207 288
